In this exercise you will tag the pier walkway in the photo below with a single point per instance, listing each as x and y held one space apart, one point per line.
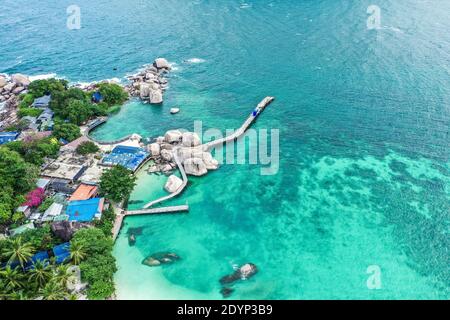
119 217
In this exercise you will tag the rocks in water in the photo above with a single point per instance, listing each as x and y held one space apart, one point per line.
246 271
20 79
161 63
195 167
160 258
190 139
150 83
173 136
173 184
174 110
226 292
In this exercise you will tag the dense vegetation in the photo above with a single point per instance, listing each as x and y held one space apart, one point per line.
66 131
35 150
17 177
45 279
98 264
117 183
87 147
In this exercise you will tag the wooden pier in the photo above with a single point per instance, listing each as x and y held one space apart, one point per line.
163 210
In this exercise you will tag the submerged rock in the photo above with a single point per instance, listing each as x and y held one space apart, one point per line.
160 258
131 240
246 271
226 292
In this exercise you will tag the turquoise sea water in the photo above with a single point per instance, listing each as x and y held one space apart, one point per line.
364 122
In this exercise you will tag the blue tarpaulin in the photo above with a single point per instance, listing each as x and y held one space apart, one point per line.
62 252
84 210
6 137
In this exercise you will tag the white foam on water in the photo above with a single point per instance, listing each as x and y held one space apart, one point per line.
42 76
195 60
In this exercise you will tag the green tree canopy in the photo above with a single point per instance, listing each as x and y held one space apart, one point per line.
87 147
117 183
112 93
66 131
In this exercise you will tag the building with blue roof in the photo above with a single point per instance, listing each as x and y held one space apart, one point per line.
6 137
85 210
128 157
42 102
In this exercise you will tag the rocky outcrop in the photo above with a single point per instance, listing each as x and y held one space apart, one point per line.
3 81
160 258
245 272
173 184
149 84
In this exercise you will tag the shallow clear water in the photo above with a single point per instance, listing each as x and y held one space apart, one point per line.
364 124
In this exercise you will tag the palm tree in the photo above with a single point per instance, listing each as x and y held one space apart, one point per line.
40 274
77 252
16 250
53 291
62 274
11 278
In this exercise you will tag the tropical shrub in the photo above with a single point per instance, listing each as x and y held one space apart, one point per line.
87 147
66 131
117 183
112 93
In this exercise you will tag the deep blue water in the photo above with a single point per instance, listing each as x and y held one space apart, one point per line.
364 119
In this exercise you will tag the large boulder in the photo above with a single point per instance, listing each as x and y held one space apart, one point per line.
173 184
144 90
18 90
166 155
195 167
156 96
161 63
174 110
173 136
65 229
155 149
190 139
3 81
20 79
9 87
